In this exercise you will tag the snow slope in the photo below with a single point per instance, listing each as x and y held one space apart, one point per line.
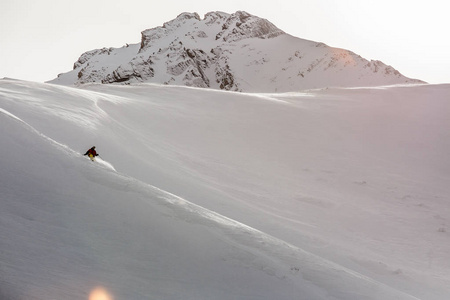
237 52
202 194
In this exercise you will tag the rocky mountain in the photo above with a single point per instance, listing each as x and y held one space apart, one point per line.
236 52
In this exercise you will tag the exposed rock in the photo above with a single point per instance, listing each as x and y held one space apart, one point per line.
242 25
89 54
138 70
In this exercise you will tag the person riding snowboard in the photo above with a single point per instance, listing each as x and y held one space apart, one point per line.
91 153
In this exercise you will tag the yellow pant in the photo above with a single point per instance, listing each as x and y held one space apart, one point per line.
91 157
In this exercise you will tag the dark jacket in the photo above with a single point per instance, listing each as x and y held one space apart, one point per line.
91 151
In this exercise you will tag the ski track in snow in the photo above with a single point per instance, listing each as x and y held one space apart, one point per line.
10 115
266 241
67 149
105 163
255 241
319 270
238 234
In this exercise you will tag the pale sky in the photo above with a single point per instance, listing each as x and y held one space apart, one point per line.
41 38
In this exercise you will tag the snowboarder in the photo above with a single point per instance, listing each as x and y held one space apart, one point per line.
91 153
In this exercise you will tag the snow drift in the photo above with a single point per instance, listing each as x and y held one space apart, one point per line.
326 194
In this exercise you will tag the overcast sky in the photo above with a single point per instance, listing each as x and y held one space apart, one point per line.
42 38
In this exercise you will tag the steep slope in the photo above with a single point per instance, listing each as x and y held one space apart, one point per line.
237 52
347 189
70 225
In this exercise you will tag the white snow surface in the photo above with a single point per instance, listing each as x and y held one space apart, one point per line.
203 194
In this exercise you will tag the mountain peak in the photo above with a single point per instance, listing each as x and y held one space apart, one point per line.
242 25
238 52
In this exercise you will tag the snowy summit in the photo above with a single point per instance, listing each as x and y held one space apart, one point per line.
236 52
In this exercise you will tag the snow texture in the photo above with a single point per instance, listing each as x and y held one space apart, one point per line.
204 194
236 52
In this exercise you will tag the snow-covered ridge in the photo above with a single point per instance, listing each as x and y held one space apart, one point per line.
237 52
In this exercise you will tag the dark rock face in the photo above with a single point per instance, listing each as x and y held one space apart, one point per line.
136 69
191 64
88 55
242 25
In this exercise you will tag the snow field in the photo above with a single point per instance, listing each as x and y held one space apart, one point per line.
325 194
